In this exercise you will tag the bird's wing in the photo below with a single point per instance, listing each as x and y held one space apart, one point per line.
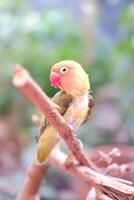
90 106
63 101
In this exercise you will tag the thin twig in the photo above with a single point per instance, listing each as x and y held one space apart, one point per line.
108 158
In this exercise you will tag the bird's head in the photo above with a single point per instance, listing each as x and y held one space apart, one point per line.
69 76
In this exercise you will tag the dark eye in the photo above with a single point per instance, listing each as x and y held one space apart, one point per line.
63 70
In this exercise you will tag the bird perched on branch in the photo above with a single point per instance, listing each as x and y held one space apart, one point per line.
73 102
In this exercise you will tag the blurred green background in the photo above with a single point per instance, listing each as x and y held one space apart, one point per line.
99 34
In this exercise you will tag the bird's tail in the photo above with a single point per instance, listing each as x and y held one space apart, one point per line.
47 141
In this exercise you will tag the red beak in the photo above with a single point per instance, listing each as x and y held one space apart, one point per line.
54 79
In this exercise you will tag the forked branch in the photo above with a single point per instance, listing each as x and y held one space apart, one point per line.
111 187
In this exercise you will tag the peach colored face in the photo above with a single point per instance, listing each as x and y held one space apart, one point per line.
58 73
68 76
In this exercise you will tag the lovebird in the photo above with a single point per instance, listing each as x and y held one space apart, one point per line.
72 101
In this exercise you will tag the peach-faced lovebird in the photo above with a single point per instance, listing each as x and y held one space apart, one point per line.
72 100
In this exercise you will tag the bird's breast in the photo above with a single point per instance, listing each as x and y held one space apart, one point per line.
77 111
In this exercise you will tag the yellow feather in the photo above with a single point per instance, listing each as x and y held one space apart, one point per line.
48 140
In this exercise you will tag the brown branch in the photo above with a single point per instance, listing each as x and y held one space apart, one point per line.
92 194
118 170
96 194
112 187
108 158
112 168
34 177
24 81
108 185
104 197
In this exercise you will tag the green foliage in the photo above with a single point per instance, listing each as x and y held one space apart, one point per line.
5 103
38 39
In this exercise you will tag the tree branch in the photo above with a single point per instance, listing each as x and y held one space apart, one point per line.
24 81
34 177
107 184
112 187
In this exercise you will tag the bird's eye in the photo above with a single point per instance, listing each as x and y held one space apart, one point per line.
63 70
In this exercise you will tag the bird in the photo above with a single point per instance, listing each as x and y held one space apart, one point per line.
73 103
